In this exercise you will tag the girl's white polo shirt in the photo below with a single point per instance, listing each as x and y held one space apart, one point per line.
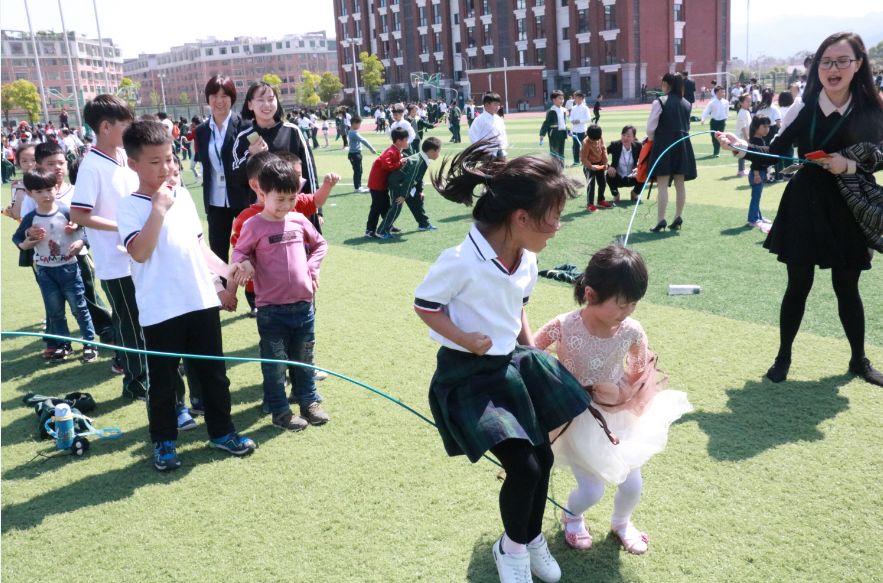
478 292
175 279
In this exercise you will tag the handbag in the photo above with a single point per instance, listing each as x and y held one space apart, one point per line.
642 169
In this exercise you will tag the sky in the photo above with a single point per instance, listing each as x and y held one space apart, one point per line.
775 28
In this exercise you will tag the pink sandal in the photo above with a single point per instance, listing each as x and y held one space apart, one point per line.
632 539
581 541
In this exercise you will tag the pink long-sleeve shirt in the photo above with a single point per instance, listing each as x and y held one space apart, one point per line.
286 256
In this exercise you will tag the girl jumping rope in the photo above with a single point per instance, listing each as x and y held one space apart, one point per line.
491 391
606 350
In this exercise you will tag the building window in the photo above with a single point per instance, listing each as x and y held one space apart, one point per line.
279 45
679 13
520 4
438 41
222 51
355 6
424 47
343 8
17 48
485 6
541 56
584 59
679 47
610 17
396 25
357 29
540 3
563 3
520 29
582 19
565 67
209 52
470 8
565 33
457 18
470 36
541 27
384 27
421 12
488 40
610 52
437 14
234 50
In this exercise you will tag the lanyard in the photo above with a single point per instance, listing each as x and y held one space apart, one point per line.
812 129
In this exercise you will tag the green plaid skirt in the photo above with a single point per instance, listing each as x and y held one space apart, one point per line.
480 401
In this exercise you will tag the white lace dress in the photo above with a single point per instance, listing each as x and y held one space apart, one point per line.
626 387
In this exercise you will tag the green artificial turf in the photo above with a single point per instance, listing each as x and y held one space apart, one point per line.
762 482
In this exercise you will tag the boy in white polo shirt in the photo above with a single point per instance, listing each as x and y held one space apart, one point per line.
102 180
579 120
177 303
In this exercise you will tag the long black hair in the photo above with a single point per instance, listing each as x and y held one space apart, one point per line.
262 87
865 94
614 271
675 83
536 184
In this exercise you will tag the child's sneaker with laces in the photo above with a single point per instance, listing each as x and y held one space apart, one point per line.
164 456
90 354
314 414
61 354
542 563
511 568
289 421
186 422
234 444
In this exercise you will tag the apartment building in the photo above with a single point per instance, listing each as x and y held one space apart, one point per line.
527 48
178 77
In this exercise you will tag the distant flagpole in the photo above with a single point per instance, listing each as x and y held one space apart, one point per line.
39 69
107 88
70 65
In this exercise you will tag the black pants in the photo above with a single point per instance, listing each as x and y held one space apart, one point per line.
314 133
577 145
592 177
849 307
127 332
196 332
556 143
220 225
523 495
616 182
356 163
455 133
717 126
379 207
101 317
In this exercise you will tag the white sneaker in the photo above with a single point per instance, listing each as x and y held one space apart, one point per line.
362 189
512 568
186 422
542 563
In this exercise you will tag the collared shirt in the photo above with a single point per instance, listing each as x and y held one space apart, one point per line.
562 125
478 292
626 162
717 109
579 118
487 125
218 195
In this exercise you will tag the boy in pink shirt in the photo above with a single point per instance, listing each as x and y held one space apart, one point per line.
281 251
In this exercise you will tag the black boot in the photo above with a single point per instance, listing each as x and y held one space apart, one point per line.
779 371
864 369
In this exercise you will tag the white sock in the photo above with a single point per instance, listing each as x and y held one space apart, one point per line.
511 547
537 541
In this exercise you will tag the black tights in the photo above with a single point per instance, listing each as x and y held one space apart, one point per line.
523 495
849 307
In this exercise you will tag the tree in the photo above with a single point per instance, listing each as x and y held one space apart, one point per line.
397 93
184 99
155 99
6 103
129 91
875 56
329 86
306 91
273 80
372 73
22 94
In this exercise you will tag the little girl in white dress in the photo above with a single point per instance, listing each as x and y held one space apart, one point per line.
607 352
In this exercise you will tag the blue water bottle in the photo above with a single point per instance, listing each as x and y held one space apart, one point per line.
64 426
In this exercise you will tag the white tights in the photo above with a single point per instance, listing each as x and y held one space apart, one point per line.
589 490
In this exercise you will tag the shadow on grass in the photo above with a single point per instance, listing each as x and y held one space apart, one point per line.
736 230
601 563
763 415
648 237
455 219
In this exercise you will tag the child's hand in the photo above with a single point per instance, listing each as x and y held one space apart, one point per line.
258 146
163 199
241 273
71 227
331 179
727 140
756 177
228 300
315 278
834 163
75 247
476 343
541 141
35 233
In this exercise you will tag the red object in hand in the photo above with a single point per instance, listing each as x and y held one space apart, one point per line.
817 155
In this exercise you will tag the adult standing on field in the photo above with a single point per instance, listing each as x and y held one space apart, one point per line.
670 121
223 197
841 107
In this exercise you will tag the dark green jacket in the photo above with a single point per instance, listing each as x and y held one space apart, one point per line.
454 115
410 175
550 124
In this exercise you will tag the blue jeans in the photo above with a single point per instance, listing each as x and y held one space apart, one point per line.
286 333
756 190
57 285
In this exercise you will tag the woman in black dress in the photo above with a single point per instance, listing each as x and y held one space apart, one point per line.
669 121
814 227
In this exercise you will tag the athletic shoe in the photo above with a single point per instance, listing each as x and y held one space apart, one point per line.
395 230
511 568
164 456
314 414
234 443
253 313
115 367
139 395
289 421
47 353
186 421
542 563
383 236
90 354
320 375
606 204
197 407
363 189
60 354
591 208
429 227
371 234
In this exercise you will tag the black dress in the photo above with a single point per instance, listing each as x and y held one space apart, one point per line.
674 123
814 226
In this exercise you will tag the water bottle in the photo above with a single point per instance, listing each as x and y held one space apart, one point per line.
64 426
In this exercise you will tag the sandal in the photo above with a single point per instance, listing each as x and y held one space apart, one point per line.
581 541
632 539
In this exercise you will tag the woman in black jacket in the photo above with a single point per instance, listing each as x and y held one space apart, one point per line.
223 198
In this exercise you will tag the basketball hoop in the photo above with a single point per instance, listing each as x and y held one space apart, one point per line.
416 79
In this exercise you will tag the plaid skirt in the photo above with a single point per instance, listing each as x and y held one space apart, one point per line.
480 401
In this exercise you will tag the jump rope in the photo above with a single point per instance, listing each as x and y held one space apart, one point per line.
356 382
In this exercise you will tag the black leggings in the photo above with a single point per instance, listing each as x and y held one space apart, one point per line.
849 307
523 495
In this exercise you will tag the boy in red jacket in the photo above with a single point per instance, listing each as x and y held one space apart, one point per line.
378 183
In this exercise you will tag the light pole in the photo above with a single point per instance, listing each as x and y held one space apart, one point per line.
747 29
162 88
506 83
39 69
352 43
468 90
101 48
70 66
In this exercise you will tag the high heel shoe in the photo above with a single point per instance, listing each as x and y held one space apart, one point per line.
676 224
660 226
